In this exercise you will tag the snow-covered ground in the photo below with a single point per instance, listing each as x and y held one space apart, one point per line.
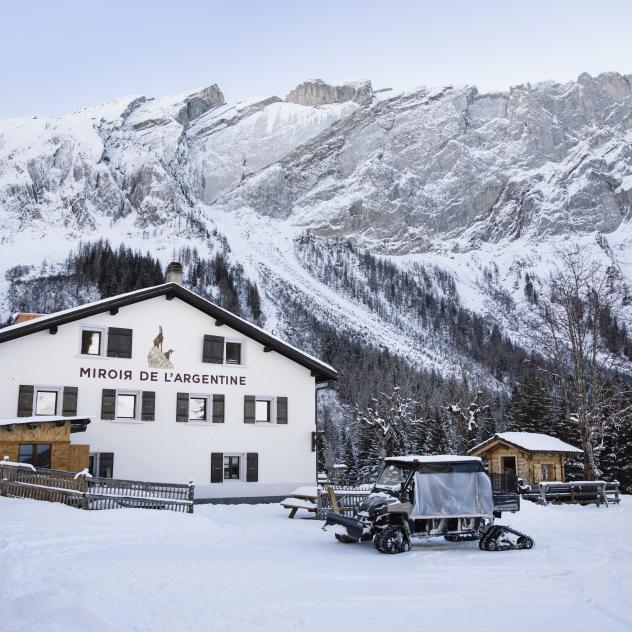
250 568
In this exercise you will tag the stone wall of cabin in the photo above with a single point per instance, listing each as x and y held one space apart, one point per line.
64 456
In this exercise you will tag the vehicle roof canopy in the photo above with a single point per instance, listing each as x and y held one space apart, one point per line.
432 458
437 463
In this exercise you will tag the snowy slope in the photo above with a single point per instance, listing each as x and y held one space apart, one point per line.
484 186
248 567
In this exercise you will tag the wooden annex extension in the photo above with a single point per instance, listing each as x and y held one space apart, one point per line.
530 456
44 442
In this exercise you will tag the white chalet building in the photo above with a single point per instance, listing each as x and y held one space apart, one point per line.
178 389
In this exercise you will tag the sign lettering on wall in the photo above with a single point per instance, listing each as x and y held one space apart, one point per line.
166 376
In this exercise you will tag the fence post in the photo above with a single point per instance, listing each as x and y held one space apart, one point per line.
191 495
85 501
332 499
602 491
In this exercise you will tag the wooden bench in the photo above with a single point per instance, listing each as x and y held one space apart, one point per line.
575 492
294 504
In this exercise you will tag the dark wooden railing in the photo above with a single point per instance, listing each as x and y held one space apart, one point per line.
85 492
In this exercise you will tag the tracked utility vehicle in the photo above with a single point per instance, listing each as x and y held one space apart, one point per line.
429 496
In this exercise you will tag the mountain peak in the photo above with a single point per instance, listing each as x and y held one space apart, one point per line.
318 92
199 102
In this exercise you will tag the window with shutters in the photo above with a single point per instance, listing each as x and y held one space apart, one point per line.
36 454
234 466
46 401
261 409
92 341
220 350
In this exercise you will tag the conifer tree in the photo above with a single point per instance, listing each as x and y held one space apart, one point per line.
531 408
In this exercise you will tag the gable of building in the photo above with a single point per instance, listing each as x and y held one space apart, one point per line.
321 371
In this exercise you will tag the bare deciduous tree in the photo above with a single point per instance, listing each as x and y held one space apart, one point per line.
399 416
566 329
469 422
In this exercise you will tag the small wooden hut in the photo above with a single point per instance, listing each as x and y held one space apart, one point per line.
530 456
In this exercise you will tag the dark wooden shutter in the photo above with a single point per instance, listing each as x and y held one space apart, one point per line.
148 407
217 467
252 467
108 403
218 409
182 407
25 400
119 342
281 410
69 401
213 350
249 409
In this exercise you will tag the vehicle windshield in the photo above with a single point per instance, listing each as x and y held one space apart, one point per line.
392 475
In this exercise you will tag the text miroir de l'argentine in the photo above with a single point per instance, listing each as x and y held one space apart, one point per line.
167 376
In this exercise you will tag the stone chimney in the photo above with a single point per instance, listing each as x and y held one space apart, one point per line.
174 273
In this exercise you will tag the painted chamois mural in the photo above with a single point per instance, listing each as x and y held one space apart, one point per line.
157 358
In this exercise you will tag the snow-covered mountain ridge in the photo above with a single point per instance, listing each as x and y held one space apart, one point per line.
480 185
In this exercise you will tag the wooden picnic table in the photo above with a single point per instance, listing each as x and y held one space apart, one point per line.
307 498
294 504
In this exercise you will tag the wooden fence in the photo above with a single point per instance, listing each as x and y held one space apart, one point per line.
86 492
347 499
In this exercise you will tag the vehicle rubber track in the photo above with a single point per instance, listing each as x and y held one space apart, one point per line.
502 538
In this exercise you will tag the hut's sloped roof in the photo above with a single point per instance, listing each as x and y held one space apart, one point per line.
529 441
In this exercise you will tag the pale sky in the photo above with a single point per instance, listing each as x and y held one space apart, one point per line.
57 56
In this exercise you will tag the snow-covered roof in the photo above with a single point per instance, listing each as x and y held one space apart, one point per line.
322 370
434 458
41 419
529 441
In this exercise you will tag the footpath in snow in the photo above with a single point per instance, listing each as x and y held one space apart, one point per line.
245 568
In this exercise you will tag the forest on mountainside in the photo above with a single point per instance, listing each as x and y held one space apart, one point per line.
374 381
98 271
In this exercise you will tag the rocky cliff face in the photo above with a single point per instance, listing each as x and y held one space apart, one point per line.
317 92
396 172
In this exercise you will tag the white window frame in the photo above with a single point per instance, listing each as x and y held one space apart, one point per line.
242 467
58 404
272 400
137 406
240 341
209 411
103 332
